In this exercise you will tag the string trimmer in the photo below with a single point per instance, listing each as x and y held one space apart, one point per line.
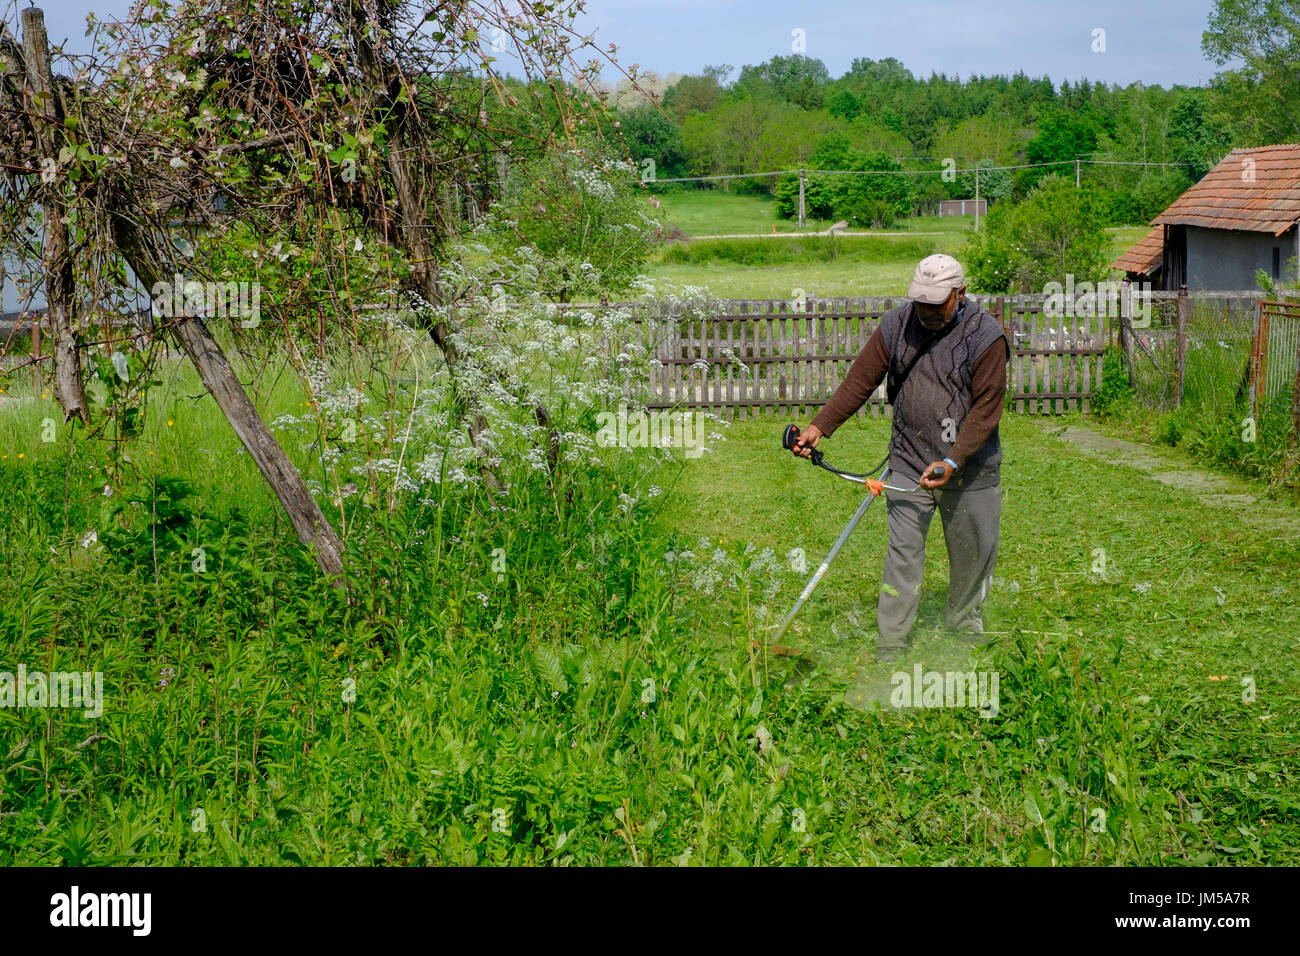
875 486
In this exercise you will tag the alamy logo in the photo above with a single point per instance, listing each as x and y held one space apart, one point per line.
207 300
946 689
655 429
1084 300
83 689
103 909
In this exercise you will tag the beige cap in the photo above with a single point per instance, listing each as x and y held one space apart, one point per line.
935 278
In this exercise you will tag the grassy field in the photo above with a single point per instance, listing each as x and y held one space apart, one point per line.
711 212
568 676
729 281
708 213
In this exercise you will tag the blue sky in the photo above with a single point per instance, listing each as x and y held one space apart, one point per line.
1154 41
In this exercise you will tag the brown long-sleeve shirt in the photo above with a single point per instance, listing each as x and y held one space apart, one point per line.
988 394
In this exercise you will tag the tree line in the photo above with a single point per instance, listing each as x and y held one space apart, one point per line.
790 113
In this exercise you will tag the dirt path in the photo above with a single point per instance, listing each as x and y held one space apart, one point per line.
1168 467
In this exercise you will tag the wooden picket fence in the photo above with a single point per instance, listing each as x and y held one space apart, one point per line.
753 358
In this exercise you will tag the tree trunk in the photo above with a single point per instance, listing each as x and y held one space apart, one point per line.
60 279
314 529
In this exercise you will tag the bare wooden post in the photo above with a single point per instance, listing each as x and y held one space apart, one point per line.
803 178
1016 371
1295 401
1261 370
1126 330
1252 366
38 373
1180 343
60 279
314 530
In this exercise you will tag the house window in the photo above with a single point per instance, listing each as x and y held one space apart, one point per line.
1277 262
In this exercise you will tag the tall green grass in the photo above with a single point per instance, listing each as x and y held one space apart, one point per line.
566 675
1215 421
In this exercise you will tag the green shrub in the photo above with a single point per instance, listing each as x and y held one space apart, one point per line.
1056 232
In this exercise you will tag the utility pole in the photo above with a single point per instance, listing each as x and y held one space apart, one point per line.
977 199
803 174
1076 174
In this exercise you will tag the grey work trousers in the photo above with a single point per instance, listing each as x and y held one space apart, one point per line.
970 529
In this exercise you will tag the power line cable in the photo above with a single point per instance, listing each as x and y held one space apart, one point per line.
905 172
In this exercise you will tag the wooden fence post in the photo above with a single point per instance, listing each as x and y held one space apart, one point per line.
1180 350
1295 401
1015 372
1260 386
1126 330
38 373
60 277
149 261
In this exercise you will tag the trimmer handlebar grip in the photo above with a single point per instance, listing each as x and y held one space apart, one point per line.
791 436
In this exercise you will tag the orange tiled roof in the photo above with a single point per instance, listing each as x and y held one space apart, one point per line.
1257 190
1145 255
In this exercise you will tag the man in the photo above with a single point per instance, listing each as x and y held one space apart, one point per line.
947 361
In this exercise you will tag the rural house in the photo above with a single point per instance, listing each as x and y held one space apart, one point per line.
1242 217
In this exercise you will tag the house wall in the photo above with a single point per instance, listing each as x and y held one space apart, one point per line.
9 298
1220 259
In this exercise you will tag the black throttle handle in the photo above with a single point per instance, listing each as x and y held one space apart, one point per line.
791 438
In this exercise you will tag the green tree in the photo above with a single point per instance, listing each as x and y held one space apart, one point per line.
994 183
796 79
695 94
747 134
988 136
863 200
650 134
1193 138
1058 231
1061 137
1156 190
1258 99
843 104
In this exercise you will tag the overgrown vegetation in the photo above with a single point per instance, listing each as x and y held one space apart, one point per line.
1058 231
593 697
1215 422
